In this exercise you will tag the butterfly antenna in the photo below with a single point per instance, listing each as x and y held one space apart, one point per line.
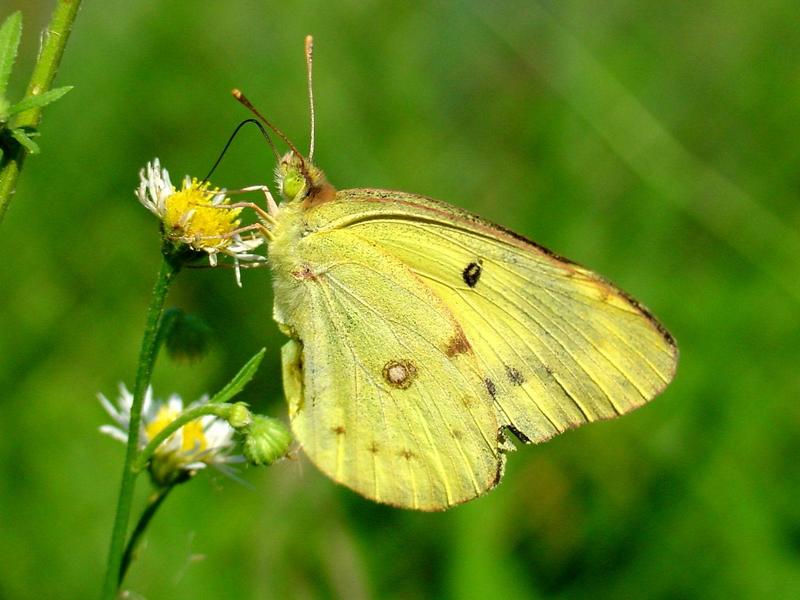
309 63
249 105
233 136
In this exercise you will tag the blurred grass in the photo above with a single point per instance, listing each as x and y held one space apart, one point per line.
531 115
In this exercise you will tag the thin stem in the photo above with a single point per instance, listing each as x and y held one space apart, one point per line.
149 512
190 414
44 72
147 357
168 319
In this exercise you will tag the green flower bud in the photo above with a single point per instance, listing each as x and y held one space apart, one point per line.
240 416
265 440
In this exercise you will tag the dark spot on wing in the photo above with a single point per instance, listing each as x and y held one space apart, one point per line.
407 454
338 430
373 447
471 274
399 373
490 387
519 435
514 376
458 434
458 344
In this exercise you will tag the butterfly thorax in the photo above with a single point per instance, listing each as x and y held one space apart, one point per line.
284 259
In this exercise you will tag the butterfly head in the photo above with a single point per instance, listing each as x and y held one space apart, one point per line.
299 179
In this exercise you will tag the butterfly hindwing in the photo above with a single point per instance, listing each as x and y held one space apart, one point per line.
375 400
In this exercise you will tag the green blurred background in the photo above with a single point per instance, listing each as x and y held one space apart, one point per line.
657 143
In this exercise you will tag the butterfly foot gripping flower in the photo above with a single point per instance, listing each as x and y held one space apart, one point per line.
197 217
203 442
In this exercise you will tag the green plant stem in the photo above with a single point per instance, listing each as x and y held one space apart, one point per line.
44 72
141 526
190 414
147 358
167 322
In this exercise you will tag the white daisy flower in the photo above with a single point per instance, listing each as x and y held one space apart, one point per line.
195 215
206 441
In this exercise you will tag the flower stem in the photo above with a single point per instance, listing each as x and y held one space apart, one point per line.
44 72
152 506
188 415
147 357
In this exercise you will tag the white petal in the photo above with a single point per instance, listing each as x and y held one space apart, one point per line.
175 404
219 434
114 432
230 472
148 405
195 466
125 400
238 272
110 408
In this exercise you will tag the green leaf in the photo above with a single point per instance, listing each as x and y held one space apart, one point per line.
24 138
38 101
241 379
10 34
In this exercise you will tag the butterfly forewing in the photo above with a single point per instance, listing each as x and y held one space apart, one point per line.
556 345
422 331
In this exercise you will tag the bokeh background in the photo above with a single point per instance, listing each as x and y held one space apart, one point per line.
657 143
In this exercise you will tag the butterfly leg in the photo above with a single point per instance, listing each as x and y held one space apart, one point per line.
260 227
272 206
266 218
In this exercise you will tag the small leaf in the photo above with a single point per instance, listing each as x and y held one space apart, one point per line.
241 379
38 101
10 33
24 138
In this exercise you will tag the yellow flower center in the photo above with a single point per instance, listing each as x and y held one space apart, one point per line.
193 437
191 217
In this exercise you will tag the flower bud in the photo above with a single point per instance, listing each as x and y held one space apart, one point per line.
240 416
265 440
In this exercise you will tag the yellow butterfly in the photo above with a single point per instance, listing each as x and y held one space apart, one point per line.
421 334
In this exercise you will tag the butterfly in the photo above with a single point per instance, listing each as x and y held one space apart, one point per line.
421 337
